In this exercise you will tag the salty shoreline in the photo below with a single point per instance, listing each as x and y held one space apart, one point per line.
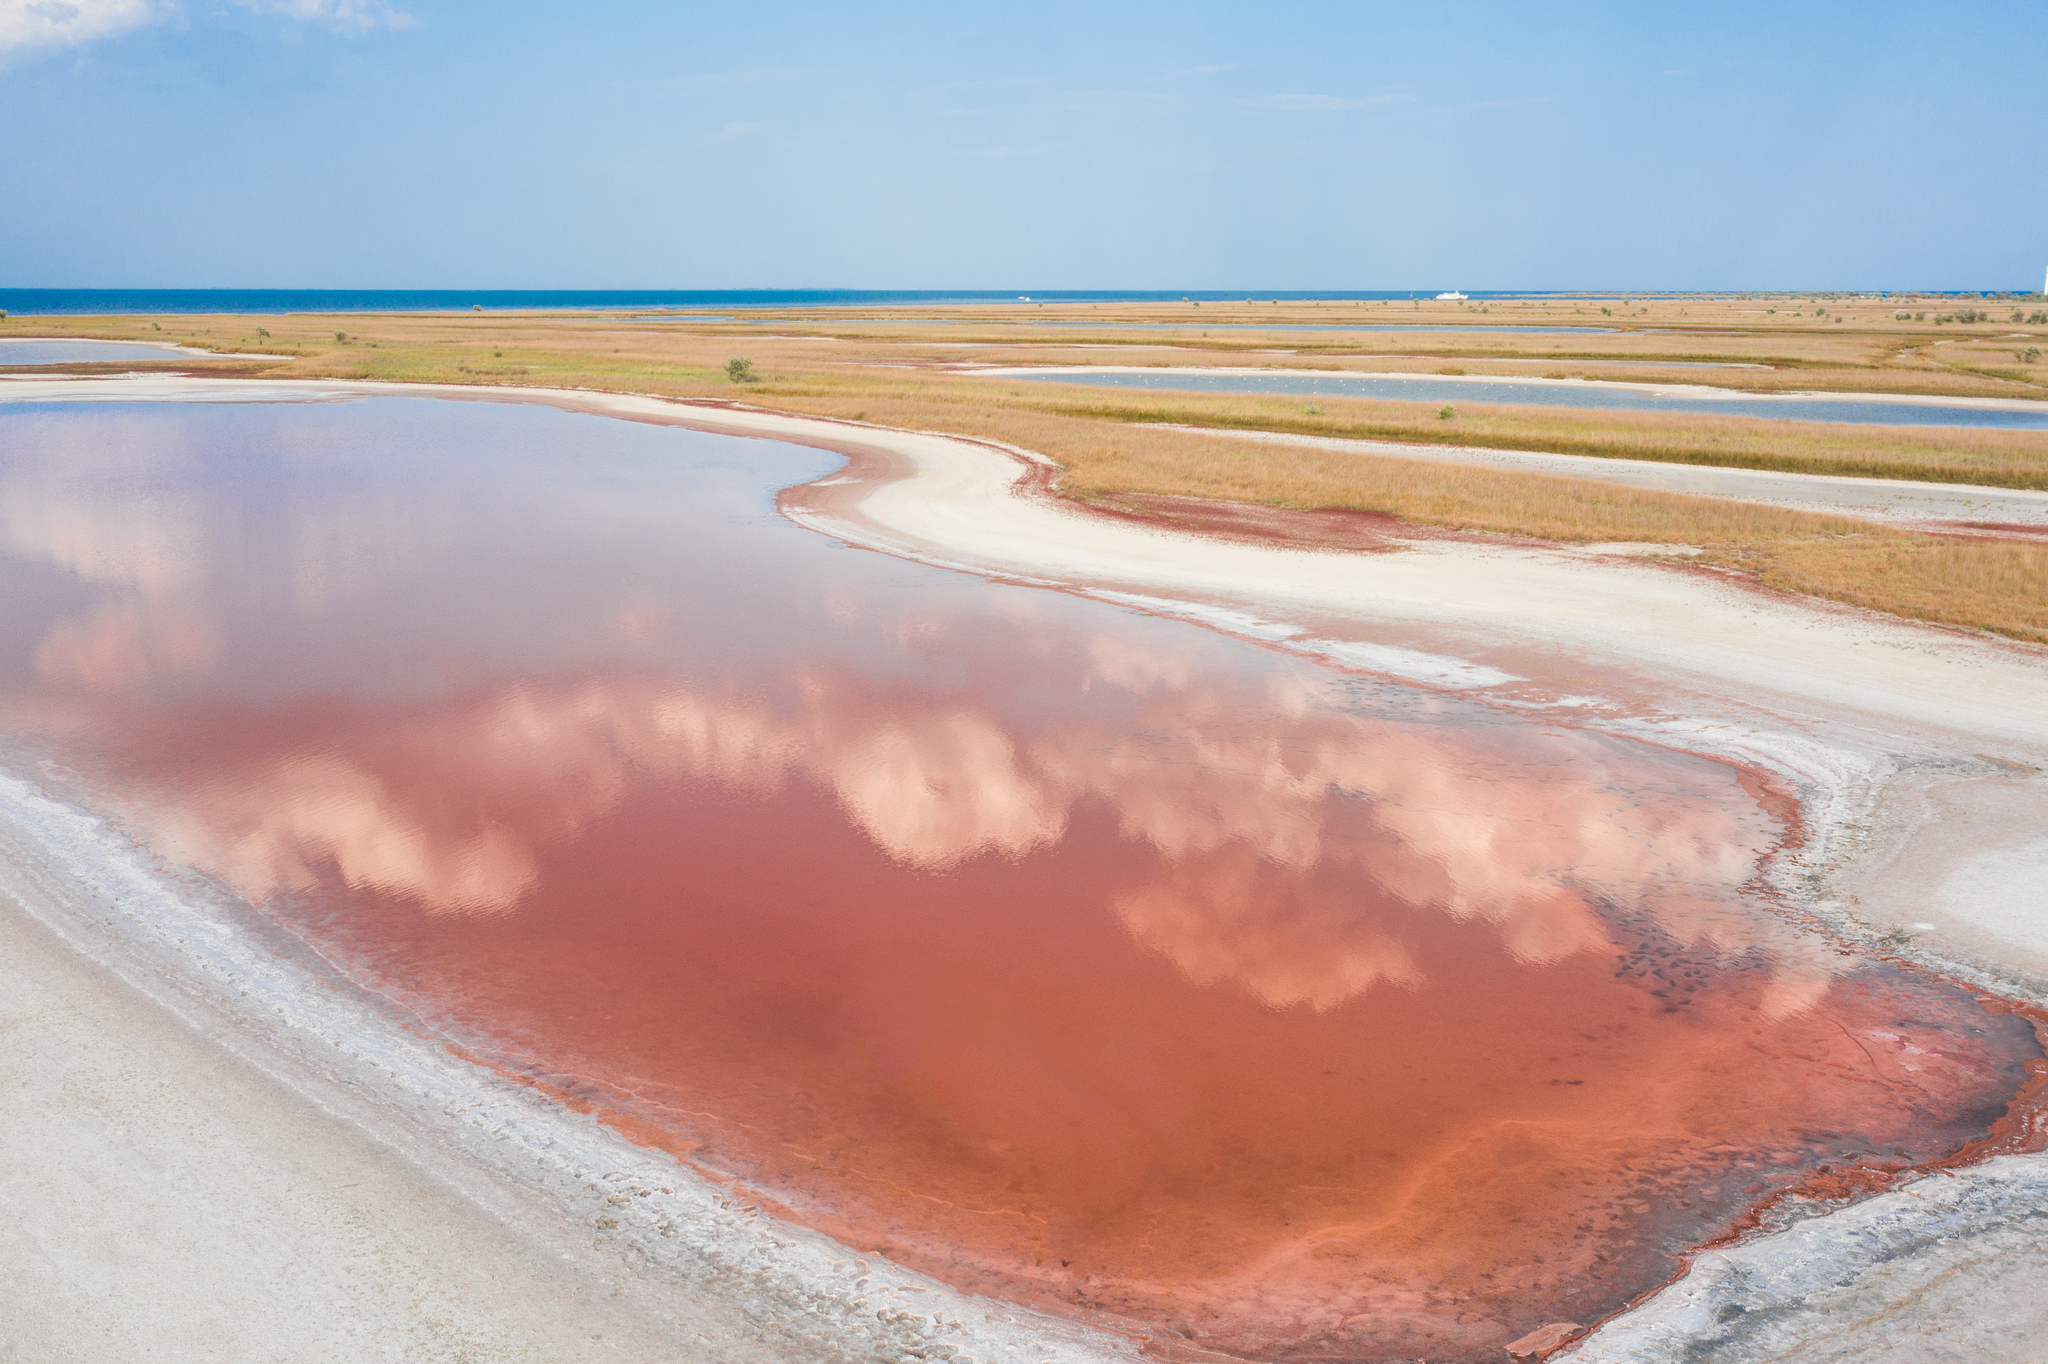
1920 729
1949 508
1661 390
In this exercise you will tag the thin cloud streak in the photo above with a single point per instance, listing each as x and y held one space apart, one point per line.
346 16
1317 104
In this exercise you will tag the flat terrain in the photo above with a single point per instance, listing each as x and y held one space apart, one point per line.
916 368
1916 754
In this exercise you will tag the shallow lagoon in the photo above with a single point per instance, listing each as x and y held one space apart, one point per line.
1853 411
21 353
1061 951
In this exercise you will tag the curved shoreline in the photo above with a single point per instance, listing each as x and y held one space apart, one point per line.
1872 743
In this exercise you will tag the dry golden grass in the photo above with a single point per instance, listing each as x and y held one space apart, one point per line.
1999 586
2010 459
1975 584
1112 441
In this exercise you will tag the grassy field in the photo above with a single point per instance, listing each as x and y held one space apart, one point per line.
903 370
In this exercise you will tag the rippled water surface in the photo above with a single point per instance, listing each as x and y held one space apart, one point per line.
1064 952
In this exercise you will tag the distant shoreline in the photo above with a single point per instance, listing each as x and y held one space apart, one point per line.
29 302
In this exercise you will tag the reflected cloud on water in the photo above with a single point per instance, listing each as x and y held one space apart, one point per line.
1053 947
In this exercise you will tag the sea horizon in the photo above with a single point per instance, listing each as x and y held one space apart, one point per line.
37 302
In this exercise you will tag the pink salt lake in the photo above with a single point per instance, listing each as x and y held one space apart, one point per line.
1064 953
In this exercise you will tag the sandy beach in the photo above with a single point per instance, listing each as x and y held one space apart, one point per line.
436 1211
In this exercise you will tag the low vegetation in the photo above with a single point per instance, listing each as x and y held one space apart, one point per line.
1113 442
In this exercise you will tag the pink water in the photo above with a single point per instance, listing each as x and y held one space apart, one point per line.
1068 954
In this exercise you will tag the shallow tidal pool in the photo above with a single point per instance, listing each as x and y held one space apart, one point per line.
1066 953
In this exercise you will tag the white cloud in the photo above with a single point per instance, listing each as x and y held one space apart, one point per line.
354 16
1315 104
69 23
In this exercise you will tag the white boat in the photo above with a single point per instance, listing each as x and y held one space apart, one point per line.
1452 297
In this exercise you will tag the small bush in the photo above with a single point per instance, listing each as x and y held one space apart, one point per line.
1446 412
263 331
1607 312
1450 369
740 370
341 336
2037 318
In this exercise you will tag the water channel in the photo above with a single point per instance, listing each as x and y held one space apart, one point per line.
1615 398
27 353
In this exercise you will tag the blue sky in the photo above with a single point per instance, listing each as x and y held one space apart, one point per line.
427 143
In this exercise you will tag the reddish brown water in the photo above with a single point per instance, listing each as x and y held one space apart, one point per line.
1063 952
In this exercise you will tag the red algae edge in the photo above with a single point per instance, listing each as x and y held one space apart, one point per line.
2023 1128
2019 1129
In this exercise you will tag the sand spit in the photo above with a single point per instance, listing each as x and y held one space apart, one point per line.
1917 754
1905 503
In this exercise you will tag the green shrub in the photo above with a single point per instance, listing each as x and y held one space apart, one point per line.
740 370
1446 412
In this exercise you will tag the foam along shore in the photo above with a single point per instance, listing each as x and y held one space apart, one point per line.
1905 503
1916 752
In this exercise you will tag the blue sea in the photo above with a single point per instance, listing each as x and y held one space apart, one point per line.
110 302
102 302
